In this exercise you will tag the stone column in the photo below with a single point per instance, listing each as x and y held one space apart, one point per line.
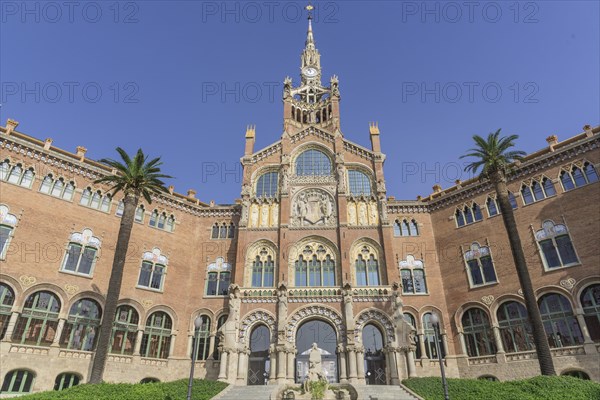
138 342
172 345
291 356
391 357
242 372
445 343
12 322
463 345
410 363
281 365
272 364
587 339
211 347
360 365
422 345
352 366
342 364
59 329
498 340
223 365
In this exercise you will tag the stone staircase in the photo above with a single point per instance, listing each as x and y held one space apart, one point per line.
381 392
262 392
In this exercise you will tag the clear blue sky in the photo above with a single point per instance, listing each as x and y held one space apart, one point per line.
429 72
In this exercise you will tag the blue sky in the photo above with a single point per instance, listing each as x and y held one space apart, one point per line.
182 79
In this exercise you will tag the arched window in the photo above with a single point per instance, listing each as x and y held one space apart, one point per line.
7 299
124 331
526 194
120 209
313 163
408 317
372 340
38 322
515 329
367 267
223 231
8 222
590 301
219 277
95 200
480 267
512 200
4 169
576 374
478 334
81 253
467 212
263 268
203 338
555 246
66 380
215 231
81 329
359 183
315 267
162 221
20 176
222 319
266 186
149 380
492 206
156 341
578 175
429 338
139 214
18 381
58 188
231 231
153 218
413 276
477 212
406 227
153 270
490 378
537 190
460 218
560 323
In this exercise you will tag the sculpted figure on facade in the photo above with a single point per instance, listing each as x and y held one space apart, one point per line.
373 214
228 332
245 211
348 307
264 215
282 305
341 176
352 213
362 213
275 214
285 178
254 215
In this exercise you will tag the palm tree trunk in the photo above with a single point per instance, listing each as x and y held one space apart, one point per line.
114 288
535 318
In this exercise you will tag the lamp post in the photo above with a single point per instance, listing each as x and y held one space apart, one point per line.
435 321
197 325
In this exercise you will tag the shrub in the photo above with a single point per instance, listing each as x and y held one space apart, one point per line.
538 388
176 390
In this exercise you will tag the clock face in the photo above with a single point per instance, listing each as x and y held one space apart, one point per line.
310 72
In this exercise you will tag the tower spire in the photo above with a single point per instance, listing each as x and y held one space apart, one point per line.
310 40
311 59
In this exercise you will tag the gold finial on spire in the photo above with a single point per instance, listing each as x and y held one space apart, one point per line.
250 131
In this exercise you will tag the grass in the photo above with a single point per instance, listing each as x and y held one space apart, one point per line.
176 390
538 388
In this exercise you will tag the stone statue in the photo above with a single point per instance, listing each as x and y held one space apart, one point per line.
373 213
348 307
341 178
362 213
352 213
264 215
315 367
282 303
274 214
244 217
287 87
254 215
228 332
384 211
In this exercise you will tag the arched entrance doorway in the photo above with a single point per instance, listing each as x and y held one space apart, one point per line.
258 362
374 356
325 337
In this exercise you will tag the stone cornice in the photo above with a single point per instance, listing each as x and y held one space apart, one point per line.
58 160
457 194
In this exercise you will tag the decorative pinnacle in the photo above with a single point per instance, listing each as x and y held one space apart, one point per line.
374 128
310 40
250 131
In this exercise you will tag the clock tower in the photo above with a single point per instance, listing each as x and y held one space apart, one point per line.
311 103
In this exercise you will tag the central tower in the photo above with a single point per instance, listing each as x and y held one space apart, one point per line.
311 103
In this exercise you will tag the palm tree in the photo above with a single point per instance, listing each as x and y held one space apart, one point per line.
136 178
494 158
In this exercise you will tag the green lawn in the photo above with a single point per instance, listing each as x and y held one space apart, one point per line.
177 390
538 388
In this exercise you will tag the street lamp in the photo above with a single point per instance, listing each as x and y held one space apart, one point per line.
197 325
435 321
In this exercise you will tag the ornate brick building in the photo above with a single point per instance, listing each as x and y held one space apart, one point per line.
314 251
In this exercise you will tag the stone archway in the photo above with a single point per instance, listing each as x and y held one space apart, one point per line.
323 334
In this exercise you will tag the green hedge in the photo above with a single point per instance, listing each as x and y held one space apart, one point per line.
177 390
538 388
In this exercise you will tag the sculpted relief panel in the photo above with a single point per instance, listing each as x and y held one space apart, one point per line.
313 207
362 212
